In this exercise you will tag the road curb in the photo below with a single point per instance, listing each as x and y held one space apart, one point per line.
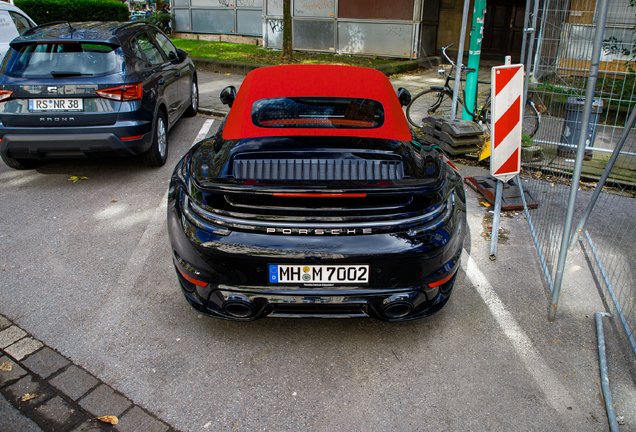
58 395
242 68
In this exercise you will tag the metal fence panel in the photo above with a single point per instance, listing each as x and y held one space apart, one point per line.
314 35
375 38
560 59
213 21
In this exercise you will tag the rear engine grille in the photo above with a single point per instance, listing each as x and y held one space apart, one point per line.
317 169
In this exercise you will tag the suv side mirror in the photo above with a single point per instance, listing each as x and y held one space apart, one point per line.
182 54
227 95
404 96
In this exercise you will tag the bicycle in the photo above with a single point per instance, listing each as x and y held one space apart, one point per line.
437 101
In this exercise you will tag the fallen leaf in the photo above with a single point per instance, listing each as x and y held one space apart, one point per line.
6 366
556 341
28 397
75 179
114 201
228 74
108 419
484 203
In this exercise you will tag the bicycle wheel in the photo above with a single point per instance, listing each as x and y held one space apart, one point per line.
530 119
530 123
431 102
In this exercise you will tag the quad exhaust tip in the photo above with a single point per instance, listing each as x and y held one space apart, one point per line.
397 309
238 307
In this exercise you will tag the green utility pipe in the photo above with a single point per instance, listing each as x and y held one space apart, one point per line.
474 52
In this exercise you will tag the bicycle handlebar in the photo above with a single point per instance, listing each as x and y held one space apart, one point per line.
464 68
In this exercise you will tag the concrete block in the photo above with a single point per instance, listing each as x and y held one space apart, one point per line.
23 348
139 420
9 371
57 415
45 362
210 38
74 382
25 387
11 335
104 401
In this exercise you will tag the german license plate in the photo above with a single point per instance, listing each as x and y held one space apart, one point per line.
55 105
319 274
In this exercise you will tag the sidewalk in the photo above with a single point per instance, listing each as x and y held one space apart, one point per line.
44 391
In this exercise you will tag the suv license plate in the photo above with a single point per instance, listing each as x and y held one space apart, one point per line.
56 105
319 274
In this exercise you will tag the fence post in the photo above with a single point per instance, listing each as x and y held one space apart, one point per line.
578 165
460 55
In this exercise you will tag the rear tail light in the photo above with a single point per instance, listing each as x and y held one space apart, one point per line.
5 94
448 161
128 92
191 279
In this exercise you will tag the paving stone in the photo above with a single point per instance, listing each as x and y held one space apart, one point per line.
57 415
12 420
4 323
138 420
11 335
74 382
15 372
88 426
23 348
104 401
15 392
45 362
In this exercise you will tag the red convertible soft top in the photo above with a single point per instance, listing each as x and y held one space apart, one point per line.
297 81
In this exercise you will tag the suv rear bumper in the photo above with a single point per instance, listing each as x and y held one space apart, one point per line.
50 144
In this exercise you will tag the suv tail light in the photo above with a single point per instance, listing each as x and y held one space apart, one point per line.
5 94
128 92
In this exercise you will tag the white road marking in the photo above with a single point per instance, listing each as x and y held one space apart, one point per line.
203 133
142 250
557 395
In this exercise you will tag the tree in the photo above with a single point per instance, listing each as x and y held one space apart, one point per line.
287 53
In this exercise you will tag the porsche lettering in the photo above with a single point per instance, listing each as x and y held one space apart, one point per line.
320 231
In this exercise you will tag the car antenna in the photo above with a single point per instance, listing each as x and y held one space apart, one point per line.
68 21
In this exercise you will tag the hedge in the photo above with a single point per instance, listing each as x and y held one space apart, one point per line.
44 11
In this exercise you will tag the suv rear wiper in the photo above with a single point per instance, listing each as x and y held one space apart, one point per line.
68 73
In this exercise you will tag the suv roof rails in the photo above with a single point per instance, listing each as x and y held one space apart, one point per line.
128 24
43 25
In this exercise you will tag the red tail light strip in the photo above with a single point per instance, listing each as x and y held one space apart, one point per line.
310 195
131 138
191 279
446 279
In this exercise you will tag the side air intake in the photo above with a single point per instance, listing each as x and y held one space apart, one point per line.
317 169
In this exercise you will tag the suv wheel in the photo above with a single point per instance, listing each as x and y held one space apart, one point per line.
19 164
158 152
192 109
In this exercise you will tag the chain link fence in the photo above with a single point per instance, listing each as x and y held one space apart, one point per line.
577 57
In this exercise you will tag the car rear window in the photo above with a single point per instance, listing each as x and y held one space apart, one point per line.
318 112
57 59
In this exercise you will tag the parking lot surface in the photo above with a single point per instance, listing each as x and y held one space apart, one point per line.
86 269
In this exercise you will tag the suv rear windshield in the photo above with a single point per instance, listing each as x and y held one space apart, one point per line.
55 59
318 112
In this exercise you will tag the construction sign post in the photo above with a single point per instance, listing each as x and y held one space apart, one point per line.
505 129
506 119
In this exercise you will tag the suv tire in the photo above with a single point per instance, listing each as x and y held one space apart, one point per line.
19 164
192 109
158 153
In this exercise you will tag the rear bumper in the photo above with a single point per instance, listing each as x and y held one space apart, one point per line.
85 142
403 272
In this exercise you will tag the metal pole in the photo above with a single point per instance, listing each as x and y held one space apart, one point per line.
474 52
494 234
531 30
578 165
460 55
601 182
602 360
526 25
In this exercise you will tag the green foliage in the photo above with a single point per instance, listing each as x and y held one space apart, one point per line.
44 11
161 20
526 141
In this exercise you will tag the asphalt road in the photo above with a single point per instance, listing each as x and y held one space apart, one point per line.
86 267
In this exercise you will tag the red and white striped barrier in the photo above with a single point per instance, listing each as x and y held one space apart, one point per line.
506 121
